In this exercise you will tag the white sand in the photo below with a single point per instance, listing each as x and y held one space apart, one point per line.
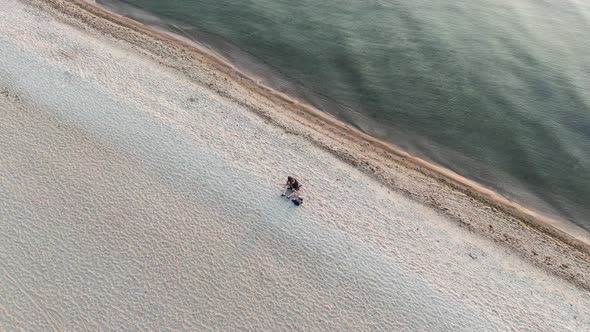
133 198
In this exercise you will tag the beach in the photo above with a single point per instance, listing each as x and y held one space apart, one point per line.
484 89
140 190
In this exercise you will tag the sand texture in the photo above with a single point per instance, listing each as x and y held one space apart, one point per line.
139 190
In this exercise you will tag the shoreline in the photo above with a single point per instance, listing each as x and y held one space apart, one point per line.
475 207
137 196
510 190
468 186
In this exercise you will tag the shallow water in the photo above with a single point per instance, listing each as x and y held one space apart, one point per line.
494 90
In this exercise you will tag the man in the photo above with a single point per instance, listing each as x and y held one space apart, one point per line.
293 185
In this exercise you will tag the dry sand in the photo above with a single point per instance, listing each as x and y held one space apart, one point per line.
139 190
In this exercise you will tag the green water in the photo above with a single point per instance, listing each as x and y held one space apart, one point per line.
497 91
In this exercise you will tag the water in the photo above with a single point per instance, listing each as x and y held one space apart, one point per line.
497 91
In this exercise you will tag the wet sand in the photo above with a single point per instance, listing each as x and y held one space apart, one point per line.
141 181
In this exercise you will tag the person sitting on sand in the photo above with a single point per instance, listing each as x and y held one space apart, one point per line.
292 185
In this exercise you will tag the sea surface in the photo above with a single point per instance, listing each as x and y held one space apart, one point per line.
495 90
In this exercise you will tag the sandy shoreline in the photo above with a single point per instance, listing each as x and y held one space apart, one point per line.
565 231
373 156
125 155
